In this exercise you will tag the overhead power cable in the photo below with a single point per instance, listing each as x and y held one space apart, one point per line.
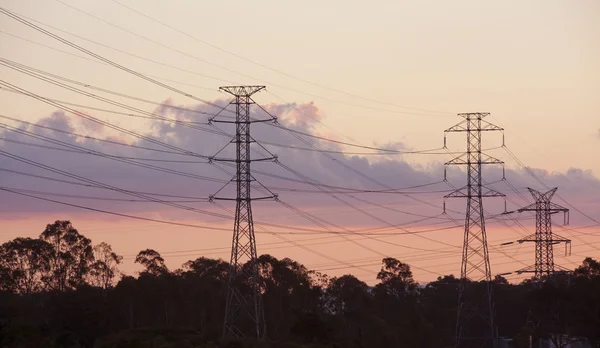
99 198
229 69
176 205
51 78
102 63
101 58
270 68
131 160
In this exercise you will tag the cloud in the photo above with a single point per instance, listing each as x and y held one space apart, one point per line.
199 179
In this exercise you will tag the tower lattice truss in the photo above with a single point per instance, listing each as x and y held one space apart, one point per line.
543 238
475 318
243 307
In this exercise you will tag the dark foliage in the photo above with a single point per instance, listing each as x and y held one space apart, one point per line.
60 291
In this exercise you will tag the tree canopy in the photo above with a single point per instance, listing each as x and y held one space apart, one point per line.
61 290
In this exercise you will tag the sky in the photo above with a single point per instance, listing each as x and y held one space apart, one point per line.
390 74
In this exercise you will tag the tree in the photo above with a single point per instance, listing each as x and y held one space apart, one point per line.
589 269
287 294
152 261
396 278
23 264
439 300
71 257
500 280
205 267
104 269
396 298
347 295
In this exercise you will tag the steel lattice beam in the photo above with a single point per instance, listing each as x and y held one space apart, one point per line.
543 238
475 318
243 307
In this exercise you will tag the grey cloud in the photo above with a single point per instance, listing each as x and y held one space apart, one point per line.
576 185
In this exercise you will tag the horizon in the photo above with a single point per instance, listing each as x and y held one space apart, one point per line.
533 97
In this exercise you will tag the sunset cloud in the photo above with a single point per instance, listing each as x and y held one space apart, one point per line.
199 179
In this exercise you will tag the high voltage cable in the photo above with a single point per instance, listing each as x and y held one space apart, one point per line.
36 73
531 173
515 220
269 68
87 85
193 252
302 246
144 196
228 69
93 138
96 120
120 51
65 195
324 224
98 62
24 21
318 186
83 150
99 57
381 150
178 196
193 125
345 165
501 222
85 116
28 71
96 186
328 127
121 159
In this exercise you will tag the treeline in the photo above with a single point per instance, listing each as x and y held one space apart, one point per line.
60 290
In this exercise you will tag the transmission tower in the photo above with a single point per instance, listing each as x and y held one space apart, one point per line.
243 306
543 238
475 319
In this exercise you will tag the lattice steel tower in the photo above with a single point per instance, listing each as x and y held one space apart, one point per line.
543 238
475 320
243 307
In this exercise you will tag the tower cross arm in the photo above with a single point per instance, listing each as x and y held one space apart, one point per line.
241 90
463 126
463 160
464 192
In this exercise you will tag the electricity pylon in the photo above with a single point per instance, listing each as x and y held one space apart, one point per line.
475 318
543 238
243 306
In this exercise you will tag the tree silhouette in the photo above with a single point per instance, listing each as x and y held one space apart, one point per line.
24 262
104 270
153 263
58 291
71 257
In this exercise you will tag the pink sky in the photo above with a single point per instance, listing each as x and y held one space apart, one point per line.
431 253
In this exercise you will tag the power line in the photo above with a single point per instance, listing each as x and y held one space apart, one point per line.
96 120
80 149
37 74
98 62
98 198
269 68
228 69
99 57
